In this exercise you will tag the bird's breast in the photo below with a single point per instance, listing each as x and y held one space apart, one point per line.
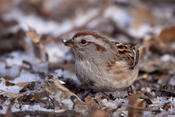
87 71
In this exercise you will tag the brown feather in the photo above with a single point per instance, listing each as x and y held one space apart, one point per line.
84 33
128 52
99 47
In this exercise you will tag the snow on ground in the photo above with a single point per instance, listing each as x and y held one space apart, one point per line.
59 53
120 16
10 89
31 20
26 77
113 104
17 108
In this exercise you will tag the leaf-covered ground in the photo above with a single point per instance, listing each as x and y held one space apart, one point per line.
37 75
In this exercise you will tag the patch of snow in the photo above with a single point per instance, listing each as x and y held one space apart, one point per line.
26 77
68 103
140 31
75 79
143 30
41 67
147 114
35 107
147 37
145 89
27 116
167 57
17 107
172 101
12 71
120 16
61 28
69 57
17 58
120 100
112 104
109 104
59 72
121 1
31 20
173 46
66 74
2 68
13 60
5 107
56 52
164 13
61 82
9 89
81 18
172 81
43 26
160 101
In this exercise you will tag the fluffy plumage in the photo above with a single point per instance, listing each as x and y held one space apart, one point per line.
102 64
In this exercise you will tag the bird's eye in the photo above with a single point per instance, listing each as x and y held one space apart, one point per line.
83 41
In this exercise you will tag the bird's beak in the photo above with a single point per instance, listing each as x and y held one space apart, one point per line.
69 43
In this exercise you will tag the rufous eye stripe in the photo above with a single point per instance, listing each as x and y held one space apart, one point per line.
97 36
84 33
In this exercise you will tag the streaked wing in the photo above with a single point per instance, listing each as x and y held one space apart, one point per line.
127 52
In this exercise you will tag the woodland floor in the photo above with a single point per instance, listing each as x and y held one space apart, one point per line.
37 75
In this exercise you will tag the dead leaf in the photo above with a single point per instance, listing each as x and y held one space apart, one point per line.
167 106
91 102
167 36
136 105
164 43
8 83
102 113
153 105
141 14
22 84
9 112
54 85
32 34
61 93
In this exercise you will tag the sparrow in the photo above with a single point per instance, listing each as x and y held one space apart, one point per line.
102 64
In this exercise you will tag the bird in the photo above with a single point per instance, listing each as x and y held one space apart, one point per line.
103 64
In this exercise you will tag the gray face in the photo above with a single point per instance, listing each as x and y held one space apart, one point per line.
92 47
89 46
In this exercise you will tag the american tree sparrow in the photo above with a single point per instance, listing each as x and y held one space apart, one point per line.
102 64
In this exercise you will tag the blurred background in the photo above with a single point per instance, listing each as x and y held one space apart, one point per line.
123 20
32 52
